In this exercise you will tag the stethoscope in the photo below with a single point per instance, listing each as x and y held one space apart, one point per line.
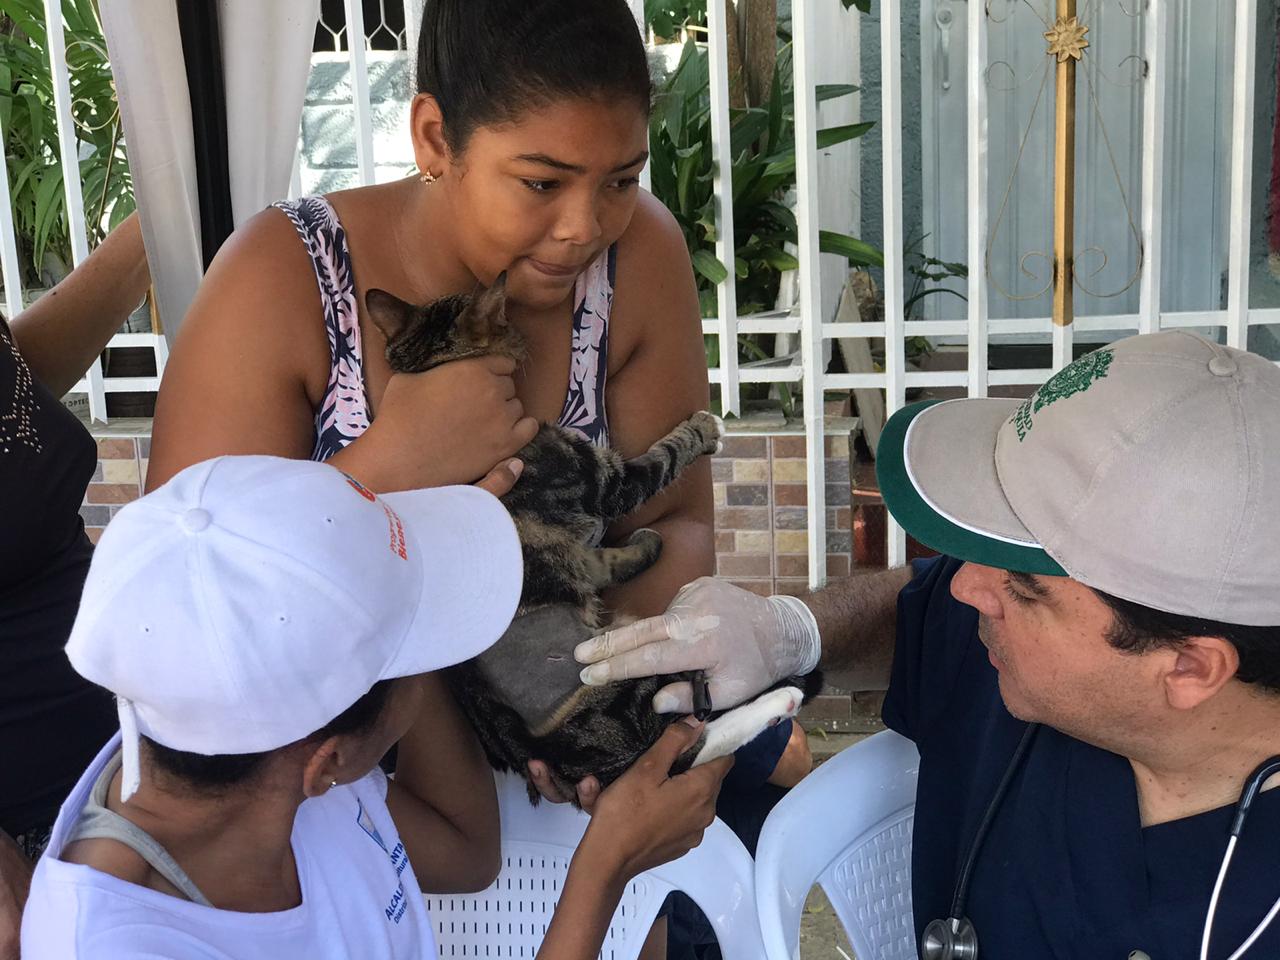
955 938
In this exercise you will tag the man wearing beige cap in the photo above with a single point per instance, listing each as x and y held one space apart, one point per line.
1091 672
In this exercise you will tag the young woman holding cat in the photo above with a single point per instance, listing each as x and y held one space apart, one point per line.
529 132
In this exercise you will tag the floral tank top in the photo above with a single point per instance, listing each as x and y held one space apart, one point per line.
343 414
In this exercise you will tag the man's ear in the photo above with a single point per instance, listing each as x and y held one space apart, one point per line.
323 767
486 313
388 312
1201 667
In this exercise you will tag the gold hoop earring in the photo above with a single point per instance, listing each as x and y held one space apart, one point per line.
428 177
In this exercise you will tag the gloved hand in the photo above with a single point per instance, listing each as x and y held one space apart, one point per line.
742 642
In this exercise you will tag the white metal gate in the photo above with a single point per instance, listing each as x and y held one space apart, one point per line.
1151 200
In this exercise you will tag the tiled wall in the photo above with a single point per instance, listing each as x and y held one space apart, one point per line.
122 465
760 495
762 541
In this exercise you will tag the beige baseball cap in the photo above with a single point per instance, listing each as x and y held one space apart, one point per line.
1148 469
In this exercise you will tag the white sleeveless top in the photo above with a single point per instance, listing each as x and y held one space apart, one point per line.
360 897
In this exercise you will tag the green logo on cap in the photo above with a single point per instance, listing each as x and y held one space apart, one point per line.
1070 380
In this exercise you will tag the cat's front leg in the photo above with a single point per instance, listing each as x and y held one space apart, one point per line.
654 470
612 565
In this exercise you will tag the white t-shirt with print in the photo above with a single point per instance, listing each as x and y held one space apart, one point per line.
360 897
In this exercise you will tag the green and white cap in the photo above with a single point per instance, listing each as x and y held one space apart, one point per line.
1148 469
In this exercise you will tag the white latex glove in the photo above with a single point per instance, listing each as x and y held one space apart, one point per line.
742 642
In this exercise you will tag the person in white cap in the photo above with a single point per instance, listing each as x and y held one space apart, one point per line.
1091 672
269 628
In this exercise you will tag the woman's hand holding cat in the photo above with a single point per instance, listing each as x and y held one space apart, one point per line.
645 818
450 424
500 480
588 790
648 817
742 642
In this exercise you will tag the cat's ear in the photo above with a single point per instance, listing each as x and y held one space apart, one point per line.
498 292
388 312
487 311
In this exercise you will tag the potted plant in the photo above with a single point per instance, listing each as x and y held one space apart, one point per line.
32 156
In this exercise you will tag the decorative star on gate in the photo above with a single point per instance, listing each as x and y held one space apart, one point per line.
1066 39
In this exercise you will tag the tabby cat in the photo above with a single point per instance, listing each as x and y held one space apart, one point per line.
523 695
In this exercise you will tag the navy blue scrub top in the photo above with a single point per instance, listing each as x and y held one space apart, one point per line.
1067 870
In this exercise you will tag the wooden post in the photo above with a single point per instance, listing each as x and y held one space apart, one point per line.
157 328
1067 43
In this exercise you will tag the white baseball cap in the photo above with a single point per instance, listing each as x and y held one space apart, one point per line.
1148 469
250 600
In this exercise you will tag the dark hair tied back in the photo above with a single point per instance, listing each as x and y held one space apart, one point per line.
221 772
491 61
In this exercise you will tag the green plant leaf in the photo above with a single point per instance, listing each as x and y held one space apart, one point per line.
787 399
662 164
36 114
119 210
687 163
29 17
689 86
663 25
669 109
779 259
28 171
751 350
666 17
857 251
766 184
706 263
784 163
781 213
708 224
830 136
776 112
747 128
48 210
949 267
916 298
829 91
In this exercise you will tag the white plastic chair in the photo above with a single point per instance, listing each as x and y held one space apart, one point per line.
511 917
847 827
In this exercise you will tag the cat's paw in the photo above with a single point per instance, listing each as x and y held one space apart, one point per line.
720 432
648 540
733 728
711 429
784 703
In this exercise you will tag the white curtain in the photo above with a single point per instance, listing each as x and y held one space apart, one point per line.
266 56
